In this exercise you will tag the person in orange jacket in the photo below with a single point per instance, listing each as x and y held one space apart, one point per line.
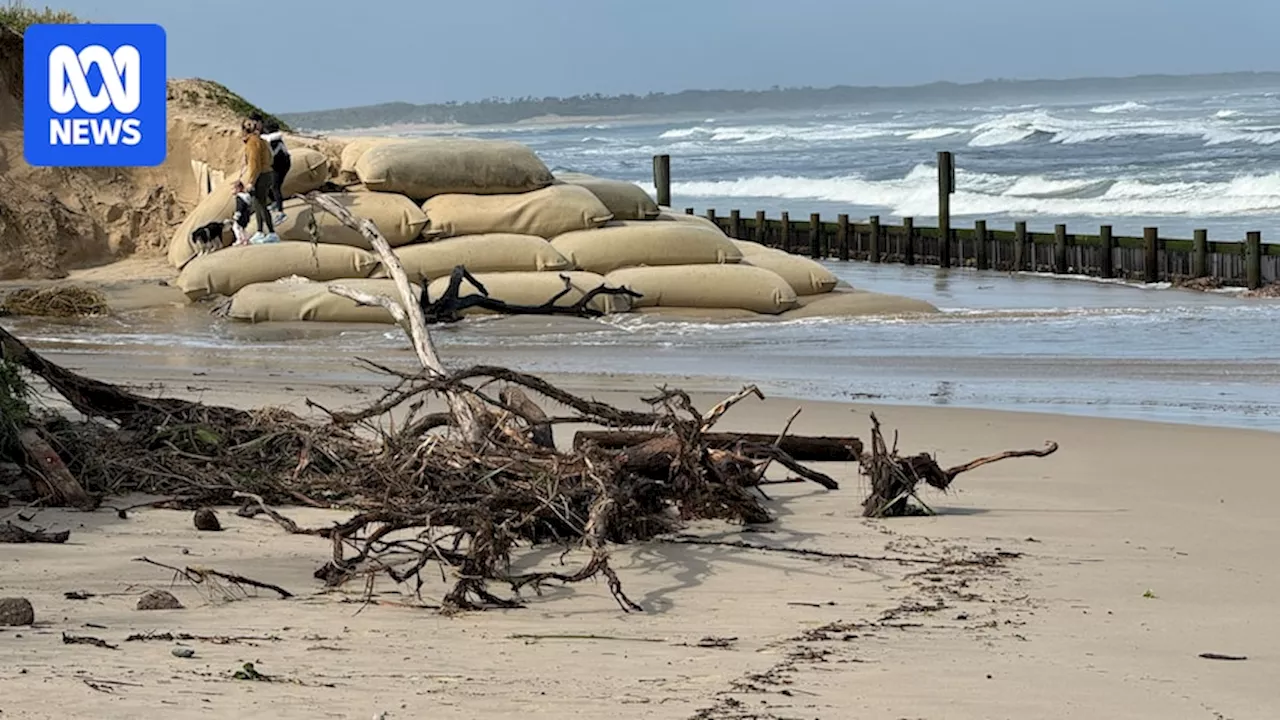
261 179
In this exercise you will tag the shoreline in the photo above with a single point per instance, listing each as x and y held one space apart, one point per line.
1083 583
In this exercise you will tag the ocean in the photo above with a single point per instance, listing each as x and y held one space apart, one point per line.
1205 160
1004 341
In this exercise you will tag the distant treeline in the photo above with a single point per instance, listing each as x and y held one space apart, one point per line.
509 110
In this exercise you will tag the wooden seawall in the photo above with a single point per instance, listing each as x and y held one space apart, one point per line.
1150 258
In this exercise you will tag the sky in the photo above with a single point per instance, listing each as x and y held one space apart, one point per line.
295 55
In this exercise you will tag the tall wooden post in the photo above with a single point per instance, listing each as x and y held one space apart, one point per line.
711 215
1151 265
762 228
873 247
946 186
662 179
815 236
909 242
1253 260
1060 249
784 232
1200 254
980 258
1106 253
735 224
1023 252
690 211
842 235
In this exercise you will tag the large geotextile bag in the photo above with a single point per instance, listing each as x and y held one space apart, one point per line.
534 288
806 277
546 213
358 146
857 303
490 253
626 201
425 167
308 170
285 301
632 243
689 219
398 218
707 286
226 271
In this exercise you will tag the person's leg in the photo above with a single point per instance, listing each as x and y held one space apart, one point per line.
282 165
262 186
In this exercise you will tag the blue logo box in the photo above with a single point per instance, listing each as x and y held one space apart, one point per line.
94 95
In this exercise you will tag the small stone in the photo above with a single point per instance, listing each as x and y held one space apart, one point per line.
183 652
159 600
207 519
16 611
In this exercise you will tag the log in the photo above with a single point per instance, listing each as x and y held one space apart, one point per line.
57 480
539 427
799 447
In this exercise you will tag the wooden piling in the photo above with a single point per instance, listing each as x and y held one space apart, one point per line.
762 228
784 232
1200 254
1151 263
1060 249
1253 260
711 215
1023 252
735 225
662 179
946 186
690 211
815 236
842 236
909 241
980 259
873 246
1106 253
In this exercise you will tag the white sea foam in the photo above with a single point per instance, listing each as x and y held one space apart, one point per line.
1124 107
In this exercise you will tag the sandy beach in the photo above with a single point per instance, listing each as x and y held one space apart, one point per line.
1086 584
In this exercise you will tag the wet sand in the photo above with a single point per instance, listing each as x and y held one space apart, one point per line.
1142 546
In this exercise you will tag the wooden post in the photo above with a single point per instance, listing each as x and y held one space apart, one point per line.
1107 253
1060 249
689 211
909 242
1253 260
662 179
873 249
1151 265
815 236
711 215
762 228
784 232
980 258
1023 252
842 235
735 225
1200 254
946 186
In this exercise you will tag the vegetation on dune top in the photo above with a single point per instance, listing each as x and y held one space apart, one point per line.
199 92
17 16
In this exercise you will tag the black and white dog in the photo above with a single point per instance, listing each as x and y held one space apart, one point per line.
208 238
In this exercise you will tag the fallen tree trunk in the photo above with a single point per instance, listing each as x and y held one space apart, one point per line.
58 483
799 447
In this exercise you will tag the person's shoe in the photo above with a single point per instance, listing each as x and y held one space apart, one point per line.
272 238
257 238
280 217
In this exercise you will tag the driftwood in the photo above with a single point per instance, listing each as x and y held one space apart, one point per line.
894 478
57 481
799 447
449 307
10 533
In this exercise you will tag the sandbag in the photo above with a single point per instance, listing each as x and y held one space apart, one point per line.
309 169
226 271
806 277
546 213
219 204
398 218
707 286
288 301
490 253
689 219
534 288
626 201
856 303
632 243
702 315
356 147
425 167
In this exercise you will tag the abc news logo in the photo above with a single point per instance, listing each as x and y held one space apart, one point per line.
94 95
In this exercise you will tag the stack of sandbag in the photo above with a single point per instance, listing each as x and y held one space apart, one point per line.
227 271
298 299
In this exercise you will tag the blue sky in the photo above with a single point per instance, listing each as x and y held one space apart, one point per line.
292 55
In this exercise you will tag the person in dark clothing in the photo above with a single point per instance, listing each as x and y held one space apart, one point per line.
280 164
261 179
244 210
